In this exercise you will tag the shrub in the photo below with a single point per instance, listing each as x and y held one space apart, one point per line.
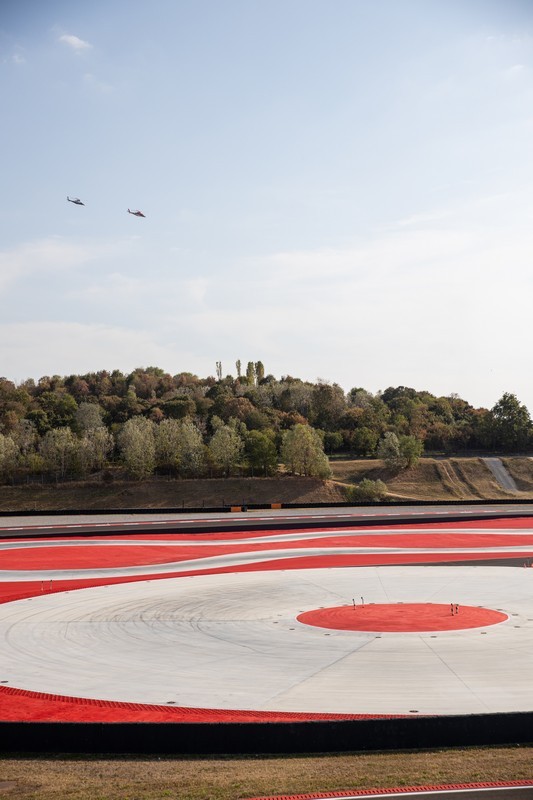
366 491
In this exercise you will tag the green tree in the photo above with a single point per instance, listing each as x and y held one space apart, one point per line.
98 444
25 437
411 449
167 443
250 373
88 416
59 407
179 407
333 441
388 450
261 452
364 441
137 446
510 424
59 449
259 371
191 449
8 456
399 452
302 451
328 406
226 445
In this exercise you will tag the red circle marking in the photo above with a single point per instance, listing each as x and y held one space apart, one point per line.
401 617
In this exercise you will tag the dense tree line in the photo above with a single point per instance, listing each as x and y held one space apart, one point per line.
189 426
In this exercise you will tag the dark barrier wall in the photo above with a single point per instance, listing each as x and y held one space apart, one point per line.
251 506
250 738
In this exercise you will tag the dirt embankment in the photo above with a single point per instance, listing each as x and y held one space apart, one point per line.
162 493
431 479
442 478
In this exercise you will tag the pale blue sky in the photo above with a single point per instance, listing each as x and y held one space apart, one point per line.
341 189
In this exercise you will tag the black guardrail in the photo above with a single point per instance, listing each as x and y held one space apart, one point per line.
245 738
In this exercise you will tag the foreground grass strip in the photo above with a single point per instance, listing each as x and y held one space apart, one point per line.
139 778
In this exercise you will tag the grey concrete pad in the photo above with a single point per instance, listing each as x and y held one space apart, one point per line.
501 473
233 641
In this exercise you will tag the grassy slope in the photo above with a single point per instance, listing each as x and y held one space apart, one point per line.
431 479
141 778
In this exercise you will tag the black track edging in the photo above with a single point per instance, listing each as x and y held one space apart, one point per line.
276 738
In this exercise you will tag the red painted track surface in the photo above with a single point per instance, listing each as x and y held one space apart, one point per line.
430 542
401 617
82 556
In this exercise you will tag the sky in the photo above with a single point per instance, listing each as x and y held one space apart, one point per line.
341 189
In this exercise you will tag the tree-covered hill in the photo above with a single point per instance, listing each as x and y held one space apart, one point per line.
189 426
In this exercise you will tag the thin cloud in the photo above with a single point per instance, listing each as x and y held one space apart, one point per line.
93 83
515 71
16 58
74 42
50 255
50 347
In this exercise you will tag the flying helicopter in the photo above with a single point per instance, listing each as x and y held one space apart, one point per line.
136 213
75 200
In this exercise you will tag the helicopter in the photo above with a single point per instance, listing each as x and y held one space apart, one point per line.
75 200
136 213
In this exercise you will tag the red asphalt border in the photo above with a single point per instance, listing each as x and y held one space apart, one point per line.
448 787
45 707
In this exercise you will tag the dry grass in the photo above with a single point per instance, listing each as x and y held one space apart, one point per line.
478 478
521 469
82 778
